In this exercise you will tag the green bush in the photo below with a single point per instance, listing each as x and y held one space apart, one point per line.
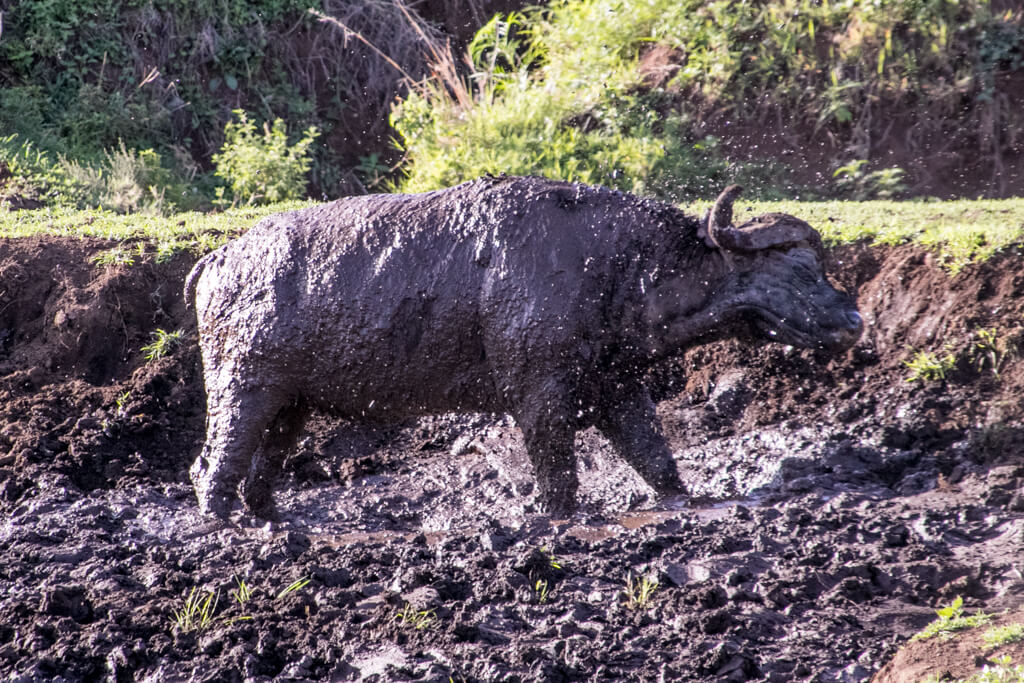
558 91
261 167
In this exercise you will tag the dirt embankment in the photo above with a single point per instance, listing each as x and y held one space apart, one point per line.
847 503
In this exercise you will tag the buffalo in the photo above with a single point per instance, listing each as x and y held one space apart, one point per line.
545 300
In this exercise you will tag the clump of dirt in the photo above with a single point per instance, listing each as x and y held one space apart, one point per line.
842 504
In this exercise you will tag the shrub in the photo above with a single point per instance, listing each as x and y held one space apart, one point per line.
260 166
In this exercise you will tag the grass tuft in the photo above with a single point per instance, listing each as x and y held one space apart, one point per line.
1003 635
951 619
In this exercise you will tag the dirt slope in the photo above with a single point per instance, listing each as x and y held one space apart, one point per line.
844 504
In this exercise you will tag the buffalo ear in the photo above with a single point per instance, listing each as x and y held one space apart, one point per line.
775 230
767 231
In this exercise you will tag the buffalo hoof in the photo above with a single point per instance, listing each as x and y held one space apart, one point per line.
216 505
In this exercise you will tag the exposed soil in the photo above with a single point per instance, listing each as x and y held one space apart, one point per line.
843 504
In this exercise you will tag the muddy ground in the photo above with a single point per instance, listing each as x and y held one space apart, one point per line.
844 503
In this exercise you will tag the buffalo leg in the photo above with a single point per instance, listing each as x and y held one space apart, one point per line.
631 425
258 487
549 443
234 429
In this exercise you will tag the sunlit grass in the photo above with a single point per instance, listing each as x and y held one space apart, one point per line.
958 231
174 232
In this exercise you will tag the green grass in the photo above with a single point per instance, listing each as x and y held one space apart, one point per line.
950 620
1003 635
558 90
959 232
639 591
164 342
1002 670
200 232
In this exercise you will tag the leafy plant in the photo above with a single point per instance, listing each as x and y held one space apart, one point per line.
925 365
163 343
951 619
853 182
990 350
417 619
197 612
638 591
262 167
1003 635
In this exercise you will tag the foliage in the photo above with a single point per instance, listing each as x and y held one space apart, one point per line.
78 77
165 235
952 619
557 91
638 592
118 256
294 586
163 343
990 350
853 182
1001 670
927 366
262 167
243 593
1003 635
197 612
540 591
960 232
416 619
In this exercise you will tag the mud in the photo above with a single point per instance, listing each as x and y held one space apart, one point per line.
842 504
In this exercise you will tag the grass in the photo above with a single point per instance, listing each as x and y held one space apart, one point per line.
417 619
925 365
1002 670
294 586
638 592
959 232
197 612
952 619
559 90
163 343
165 235
990 350
1003 635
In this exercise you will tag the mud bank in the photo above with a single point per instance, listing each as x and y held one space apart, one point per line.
840 504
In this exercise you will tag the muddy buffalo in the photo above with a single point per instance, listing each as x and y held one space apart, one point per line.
544 300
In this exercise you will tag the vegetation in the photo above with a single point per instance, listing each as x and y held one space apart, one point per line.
197 612
416 619
952 619
925 365
990 350
1003 635
163 343
263 169
1002 670
81 80
562 90
638 592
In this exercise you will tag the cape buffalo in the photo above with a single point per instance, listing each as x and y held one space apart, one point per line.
541 299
